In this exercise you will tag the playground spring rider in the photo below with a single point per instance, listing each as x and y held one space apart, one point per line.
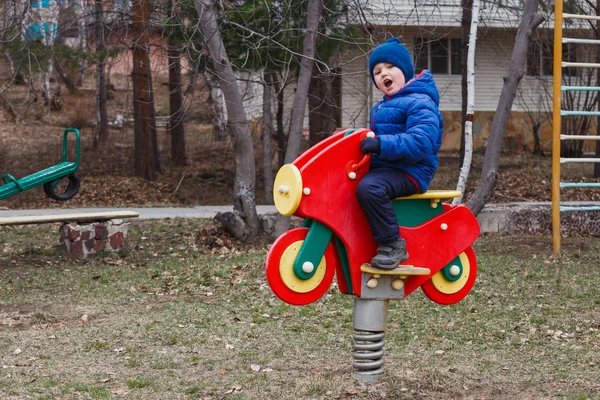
50 177
320 186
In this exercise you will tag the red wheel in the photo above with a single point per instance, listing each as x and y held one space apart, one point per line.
443 291
280 270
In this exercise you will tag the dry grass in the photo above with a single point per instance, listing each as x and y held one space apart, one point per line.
168 320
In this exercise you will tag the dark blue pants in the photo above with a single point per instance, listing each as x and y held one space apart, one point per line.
375 193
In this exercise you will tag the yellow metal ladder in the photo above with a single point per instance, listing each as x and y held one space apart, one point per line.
557 113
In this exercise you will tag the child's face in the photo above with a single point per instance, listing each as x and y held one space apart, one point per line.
388 78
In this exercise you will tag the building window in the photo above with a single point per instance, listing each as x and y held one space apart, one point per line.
440 56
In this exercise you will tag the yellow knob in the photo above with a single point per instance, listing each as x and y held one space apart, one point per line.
287 189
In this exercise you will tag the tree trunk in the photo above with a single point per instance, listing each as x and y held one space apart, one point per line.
280 133
11 65
146 156
322 106
107 74
244 188
518 62
176 126
19 77
267 137
537 144
467 15
82 43
101 131
468 117
48 41
66 79
219 114
306 64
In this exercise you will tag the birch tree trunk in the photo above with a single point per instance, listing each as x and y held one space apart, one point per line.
244 188
48 41
516 69
467 15
468 156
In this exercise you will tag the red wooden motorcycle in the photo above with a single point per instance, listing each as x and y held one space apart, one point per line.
320 186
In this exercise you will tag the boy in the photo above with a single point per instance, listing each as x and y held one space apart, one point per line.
408 127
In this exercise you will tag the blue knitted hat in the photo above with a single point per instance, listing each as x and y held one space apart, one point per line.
393 52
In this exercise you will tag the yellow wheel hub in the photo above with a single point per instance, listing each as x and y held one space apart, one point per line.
447 287
287 189
286 270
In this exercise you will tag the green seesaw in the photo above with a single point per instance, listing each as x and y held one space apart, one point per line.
49 177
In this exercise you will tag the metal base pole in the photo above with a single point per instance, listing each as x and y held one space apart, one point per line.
370 323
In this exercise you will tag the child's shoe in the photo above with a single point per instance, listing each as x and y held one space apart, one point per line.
389 255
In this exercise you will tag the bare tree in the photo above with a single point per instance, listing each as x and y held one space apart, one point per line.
293 146
489 173
83 44
243 222
308 54
323 108
176 126
577 100
536 118
101 130
267 137
146 155
279 131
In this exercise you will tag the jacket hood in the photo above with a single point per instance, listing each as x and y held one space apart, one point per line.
422 83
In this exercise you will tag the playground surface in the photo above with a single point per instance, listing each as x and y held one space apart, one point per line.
187 314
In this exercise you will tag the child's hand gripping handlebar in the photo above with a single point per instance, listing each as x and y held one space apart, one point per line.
353 166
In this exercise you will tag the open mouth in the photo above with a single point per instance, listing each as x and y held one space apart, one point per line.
387 83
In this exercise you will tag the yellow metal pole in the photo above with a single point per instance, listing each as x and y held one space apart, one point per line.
556 95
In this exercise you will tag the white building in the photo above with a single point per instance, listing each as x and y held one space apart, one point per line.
431 30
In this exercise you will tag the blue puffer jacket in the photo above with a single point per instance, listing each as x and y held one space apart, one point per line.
409 126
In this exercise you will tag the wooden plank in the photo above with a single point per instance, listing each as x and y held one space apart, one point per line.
77 217
399 270
433 194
